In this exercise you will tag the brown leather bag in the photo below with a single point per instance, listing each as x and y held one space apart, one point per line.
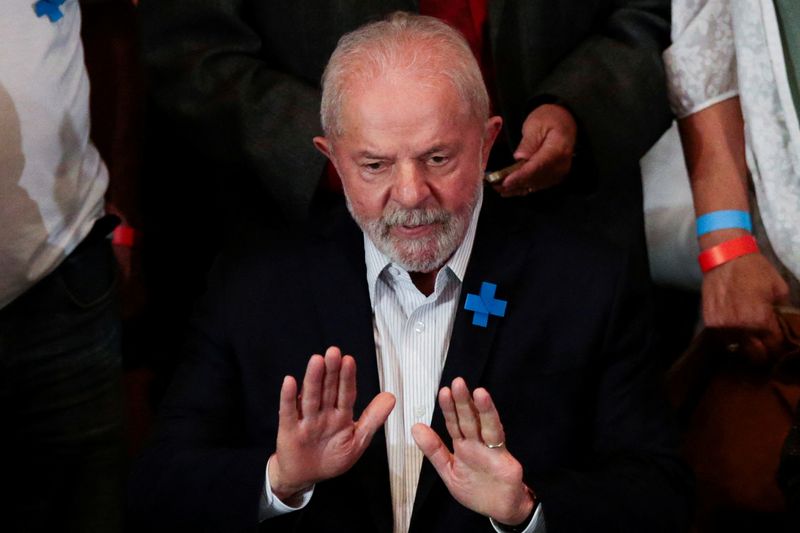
737 415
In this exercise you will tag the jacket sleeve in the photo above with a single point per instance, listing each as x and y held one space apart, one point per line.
210 72
200 472
614 83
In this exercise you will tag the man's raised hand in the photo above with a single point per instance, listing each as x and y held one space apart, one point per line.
480 473
317 436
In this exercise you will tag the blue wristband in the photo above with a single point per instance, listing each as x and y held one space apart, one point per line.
716 220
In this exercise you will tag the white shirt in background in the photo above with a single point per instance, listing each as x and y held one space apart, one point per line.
52 179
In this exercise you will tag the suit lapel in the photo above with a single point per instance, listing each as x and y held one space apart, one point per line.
345 315
497 257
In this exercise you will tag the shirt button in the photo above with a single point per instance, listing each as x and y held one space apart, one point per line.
419 412
419 327
393 271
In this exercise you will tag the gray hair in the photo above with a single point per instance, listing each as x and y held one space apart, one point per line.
422 45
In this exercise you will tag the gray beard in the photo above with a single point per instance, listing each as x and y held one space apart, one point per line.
425 254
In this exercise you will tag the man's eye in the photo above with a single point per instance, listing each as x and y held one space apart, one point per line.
438 160
374 166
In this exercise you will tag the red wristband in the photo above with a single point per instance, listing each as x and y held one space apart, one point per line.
727 251
126 236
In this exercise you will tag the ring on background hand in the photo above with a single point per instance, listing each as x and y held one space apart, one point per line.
495 446
733 347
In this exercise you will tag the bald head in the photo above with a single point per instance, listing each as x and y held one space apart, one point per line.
402 46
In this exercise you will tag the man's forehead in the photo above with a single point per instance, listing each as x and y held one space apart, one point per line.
400 98
394 78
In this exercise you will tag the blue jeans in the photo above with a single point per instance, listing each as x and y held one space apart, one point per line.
61 453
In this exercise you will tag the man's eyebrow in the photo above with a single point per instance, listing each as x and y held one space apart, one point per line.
438 148
366 154
441 147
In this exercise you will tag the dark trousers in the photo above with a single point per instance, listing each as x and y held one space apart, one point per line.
61 453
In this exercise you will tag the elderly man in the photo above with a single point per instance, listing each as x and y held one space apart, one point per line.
441 285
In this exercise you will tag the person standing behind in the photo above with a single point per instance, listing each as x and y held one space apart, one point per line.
60 401
733 72
733 77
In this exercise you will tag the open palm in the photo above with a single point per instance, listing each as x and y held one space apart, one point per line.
317 436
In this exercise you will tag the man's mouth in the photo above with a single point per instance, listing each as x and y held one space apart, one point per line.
413 230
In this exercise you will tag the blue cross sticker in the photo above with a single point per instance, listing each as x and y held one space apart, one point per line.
485 304
49 8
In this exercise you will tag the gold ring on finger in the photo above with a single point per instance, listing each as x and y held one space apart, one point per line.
495 446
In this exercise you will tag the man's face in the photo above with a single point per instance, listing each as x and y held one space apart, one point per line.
411 158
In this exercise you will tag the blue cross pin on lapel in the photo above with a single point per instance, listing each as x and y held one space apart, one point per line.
49 8
485 304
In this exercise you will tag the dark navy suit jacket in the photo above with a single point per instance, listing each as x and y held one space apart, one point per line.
569 367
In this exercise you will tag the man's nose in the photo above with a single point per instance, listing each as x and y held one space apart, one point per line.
410 187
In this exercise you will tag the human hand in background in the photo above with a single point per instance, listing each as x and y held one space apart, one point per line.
480 473
548 141
317 436
739 295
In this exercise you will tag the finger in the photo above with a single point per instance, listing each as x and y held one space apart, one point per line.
312 385
764 333
330 384
755 349
465 409
546 168
347 384
448 407
491 427
780 291
434 449
373 417
524 177
287 411
533 136
774 337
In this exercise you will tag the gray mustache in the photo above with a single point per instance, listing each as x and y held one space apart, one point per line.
415 217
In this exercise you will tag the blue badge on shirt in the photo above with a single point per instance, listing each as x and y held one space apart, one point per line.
485 304
50 8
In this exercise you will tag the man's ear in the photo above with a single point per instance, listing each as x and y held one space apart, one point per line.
493 126
324 145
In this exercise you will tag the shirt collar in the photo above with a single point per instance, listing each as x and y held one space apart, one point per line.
377 262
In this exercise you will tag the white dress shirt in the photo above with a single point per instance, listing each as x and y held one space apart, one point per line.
412 333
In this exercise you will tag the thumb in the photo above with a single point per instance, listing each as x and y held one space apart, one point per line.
434 449
544 156
774 338
529 145
780 291
373 417
780 296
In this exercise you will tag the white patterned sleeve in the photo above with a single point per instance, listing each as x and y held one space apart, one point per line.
701 62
